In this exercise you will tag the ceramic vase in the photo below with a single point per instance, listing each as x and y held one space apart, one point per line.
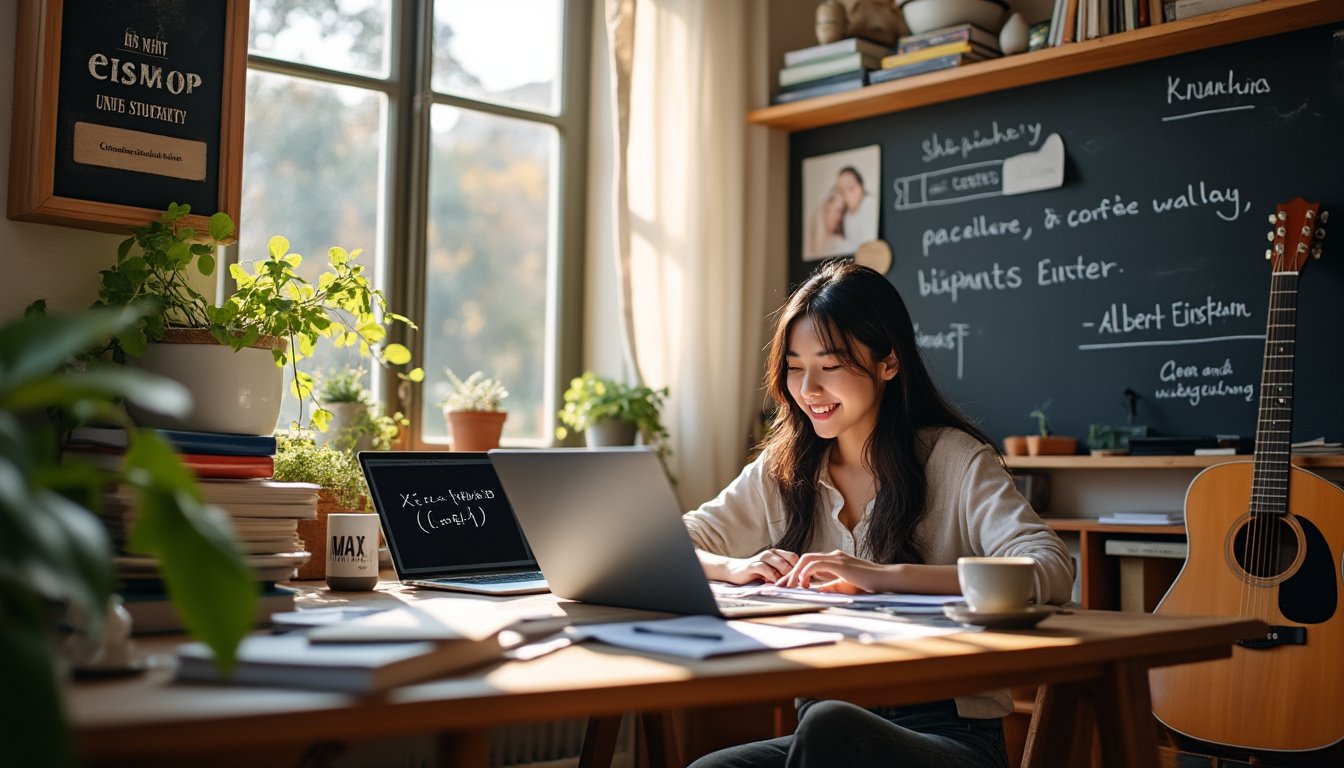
832 22
475 430
1013 38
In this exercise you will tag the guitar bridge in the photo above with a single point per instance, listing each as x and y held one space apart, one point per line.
1276 636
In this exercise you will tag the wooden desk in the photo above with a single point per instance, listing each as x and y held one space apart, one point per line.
1091 657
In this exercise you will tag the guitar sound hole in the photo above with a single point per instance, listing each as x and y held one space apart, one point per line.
1265 547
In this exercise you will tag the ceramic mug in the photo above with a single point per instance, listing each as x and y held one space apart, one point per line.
996 584
352 551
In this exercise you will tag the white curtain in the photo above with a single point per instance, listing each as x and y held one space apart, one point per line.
686 221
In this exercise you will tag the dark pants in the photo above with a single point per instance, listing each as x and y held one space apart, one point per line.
837 734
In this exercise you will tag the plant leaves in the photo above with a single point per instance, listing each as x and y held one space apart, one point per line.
221 226
397 354
43 343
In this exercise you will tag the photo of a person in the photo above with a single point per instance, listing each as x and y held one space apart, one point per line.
841 202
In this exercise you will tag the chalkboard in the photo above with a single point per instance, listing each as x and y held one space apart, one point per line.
445 515
1145 270
127 107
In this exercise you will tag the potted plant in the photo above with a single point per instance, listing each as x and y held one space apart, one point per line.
300 459
610 412
358 422
57 555
274 318
1046 444
474 412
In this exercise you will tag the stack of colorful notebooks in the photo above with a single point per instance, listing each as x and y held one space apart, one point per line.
835 67
234 475
937 49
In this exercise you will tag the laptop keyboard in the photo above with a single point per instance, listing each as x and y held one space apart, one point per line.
492 578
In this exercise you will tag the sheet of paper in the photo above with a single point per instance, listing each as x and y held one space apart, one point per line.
863 600
870 627
700 637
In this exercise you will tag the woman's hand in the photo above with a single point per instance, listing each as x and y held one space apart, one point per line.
836 572
768 565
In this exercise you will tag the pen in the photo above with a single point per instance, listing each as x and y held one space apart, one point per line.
677 632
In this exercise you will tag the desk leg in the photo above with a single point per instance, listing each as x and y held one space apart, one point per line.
1061 727
660 737
1125 717
599 742
463 748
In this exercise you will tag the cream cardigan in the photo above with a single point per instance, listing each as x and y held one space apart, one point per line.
973 509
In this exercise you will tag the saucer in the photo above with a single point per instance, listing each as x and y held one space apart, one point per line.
1023 618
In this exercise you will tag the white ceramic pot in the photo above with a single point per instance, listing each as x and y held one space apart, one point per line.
234 392
925 15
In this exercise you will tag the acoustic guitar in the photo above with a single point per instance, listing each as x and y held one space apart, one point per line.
1265 542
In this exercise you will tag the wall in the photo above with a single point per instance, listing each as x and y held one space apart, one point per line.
40 261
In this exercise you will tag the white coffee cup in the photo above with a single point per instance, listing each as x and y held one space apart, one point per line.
352 551
996 584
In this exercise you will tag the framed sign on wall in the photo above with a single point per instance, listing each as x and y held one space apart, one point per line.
122 108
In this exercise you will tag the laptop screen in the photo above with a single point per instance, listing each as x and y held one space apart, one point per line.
443 513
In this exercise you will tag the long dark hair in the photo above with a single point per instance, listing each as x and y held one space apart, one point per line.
852 305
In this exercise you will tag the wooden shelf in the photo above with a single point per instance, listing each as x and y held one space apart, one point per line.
1092 524
1152 462
1262 19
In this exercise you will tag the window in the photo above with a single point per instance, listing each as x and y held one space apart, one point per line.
467 200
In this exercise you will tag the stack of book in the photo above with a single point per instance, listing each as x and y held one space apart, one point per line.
836 67
937 49
234 475
1143 518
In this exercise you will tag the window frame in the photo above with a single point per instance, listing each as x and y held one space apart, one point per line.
405 194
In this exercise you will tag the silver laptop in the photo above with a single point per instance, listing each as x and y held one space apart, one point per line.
448 523
606 528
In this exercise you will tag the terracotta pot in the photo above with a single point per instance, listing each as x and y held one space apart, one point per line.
475 430
1015 445
314 535
1051 446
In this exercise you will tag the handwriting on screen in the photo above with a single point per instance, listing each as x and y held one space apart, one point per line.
450 510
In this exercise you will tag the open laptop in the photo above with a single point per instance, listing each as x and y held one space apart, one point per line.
606 528
448 523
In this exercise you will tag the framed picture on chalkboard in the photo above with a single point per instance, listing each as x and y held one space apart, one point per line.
122 108
841 194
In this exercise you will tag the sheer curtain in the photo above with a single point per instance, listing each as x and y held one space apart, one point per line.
685 221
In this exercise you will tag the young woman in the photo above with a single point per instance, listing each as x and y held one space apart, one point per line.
870 481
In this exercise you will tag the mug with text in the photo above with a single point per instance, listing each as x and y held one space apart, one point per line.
997 584
352 551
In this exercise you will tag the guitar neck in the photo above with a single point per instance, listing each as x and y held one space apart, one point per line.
1274 426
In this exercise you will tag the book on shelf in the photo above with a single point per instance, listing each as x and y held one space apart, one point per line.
1176 10
1317 447
1147 548
1143 518
153 612
954 34
968 50
183 440
849 62
258 497
290 660
848 81
267 567
916 68
833 49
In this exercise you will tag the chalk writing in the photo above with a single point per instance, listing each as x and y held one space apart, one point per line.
1179 91
1049 273
935 147
951 339
979 227
1228 201
941 282
1181 381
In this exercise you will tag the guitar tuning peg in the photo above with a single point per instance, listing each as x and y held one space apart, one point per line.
1278 247
1269 236
1281 231
1268 254
1320 233
1306 231
1311 215
1301 247
1283 215
1325 217
1273 219
1316 252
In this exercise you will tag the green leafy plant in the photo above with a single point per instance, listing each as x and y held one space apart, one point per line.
1042 423
55 555
343 386
299 459
591 398
476 393
153 265
369 428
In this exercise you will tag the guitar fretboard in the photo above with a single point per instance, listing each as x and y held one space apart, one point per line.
1274 425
